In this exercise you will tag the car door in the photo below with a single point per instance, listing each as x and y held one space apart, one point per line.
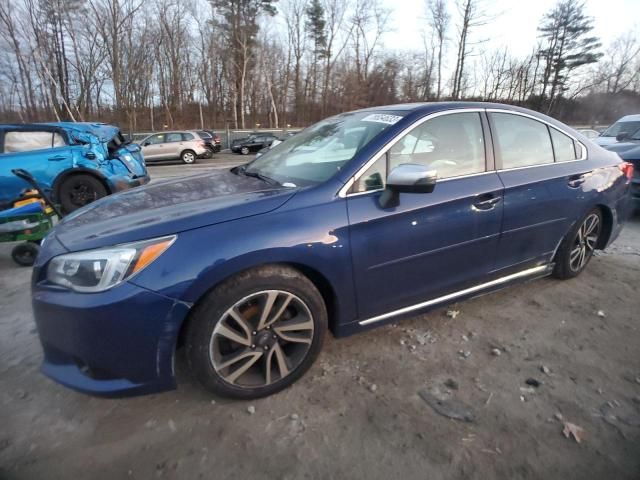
173 145
431 244
42 152
542 169
153 147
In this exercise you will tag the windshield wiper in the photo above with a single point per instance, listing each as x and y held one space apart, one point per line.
257 175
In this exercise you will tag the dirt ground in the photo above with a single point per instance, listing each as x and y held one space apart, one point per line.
357 413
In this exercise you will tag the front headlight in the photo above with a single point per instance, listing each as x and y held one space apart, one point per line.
103 268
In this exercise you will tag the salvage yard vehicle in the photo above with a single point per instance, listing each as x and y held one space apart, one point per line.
253 143
629 151
74 163
620 131
357 221
210 137
187 146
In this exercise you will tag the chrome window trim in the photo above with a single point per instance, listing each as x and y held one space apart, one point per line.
541 269
342 193
550 125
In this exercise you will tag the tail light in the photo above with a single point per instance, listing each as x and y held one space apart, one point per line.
216 139
627 169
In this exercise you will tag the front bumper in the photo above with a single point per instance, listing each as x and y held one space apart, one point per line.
115 343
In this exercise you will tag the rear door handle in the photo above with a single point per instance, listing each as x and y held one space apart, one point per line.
576 180
57 158
487 203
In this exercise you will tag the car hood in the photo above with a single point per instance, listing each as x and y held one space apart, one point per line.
603 141
169 207
626 150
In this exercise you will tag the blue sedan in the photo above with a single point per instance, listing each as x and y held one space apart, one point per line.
357 221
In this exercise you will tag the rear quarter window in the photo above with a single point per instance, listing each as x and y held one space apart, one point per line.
564 147
16 141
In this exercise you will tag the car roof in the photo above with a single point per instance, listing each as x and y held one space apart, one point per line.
425 108
103 131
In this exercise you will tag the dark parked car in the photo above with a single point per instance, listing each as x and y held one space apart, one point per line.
252 143
357 221
211 139
629 151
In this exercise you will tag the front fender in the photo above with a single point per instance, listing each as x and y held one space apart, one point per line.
315 238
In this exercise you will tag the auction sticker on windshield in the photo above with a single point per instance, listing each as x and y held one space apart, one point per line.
382 118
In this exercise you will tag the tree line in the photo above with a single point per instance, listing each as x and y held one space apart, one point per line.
154 64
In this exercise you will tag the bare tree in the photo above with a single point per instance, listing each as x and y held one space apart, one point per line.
472 16
438 19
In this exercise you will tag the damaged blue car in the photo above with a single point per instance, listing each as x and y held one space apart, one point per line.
75 163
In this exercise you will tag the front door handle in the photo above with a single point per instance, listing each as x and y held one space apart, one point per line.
576 180
57 158
484 203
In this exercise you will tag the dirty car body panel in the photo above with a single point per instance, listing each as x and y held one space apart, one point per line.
474 233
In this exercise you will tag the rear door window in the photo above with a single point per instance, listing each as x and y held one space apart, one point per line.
521 141
27 141
173 137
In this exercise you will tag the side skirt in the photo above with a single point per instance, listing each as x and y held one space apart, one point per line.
475 291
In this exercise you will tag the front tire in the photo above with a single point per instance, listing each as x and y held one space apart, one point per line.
256 333
578 246
244 150
188 157
79 190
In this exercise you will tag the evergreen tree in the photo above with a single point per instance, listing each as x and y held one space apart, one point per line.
567 46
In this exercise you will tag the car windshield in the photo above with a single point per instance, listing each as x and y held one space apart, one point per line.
622 127
318 152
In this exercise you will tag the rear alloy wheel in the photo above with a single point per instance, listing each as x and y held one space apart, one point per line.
244 150
577 248
262 339
79 190
188 157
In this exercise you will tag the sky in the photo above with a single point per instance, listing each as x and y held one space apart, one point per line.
515 23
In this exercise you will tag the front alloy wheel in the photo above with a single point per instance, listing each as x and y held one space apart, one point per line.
261 339
256 333
244 150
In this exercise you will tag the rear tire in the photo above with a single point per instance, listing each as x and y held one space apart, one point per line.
226 332
188 157
578 246
25 254
79 190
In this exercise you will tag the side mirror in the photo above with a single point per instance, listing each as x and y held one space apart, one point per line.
146 144
621 137
407 178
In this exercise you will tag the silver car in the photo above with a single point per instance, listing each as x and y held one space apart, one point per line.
183 145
